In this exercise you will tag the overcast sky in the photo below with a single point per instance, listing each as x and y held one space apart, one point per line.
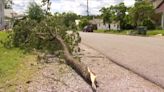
76 6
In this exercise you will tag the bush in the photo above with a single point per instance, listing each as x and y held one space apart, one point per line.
35 33
83 23
149 24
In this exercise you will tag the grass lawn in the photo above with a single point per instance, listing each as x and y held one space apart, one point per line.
155 32
14 65
125 32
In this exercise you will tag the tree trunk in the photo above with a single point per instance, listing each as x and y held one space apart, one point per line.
78 66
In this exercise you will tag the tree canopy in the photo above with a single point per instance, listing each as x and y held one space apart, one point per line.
34 31
115 13
35 12
139 15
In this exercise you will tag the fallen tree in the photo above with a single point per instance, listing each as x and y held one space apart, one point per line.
80 67
48 34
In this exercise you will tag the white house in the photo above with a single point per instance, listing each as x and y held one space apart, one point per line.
1 13
115 25
100 24
9 14
77 22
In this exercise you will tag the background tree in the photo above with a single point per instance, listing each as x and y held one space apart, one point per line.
115 13
83 22
35 12
106 15
69 19
119 13
141 13
128 20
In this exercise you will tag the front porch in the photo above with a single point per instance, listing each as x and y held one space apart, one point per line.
160 9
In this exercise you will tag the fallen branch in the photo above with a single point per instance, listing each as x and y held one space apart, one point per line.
79 67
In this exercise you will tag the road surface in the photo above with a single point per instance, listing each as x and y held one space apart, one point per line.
142 55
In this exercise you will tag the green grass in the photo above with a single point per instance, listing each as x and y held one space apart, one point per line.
125 32
9 58
155 32
11 62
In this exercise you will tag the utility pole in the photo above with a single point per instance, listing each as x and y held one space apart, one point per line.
87 8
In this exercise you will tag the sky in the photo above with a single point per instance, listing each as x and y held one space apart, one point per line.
76 6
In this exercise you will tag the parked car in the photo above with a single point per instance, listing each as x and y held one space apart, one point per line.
88 28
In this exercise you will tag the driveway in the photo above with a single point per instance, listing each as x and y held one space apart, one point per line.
142 55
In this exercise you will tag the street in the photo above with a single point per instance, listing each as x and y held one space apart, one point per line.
141 55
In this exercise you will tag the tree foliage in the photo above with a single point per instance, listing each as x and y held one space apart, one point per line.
35 31
115 13
106 15
142 13
119 14
69 19
129 17
50 35
35 12
83 22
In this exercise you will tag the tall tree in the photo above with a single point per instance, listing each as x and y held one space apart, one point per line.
115 13
35 12
119 13
69 19
141 12
106 15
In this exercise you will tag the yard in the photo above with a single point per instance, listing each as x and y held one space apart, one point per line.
125 32
15 66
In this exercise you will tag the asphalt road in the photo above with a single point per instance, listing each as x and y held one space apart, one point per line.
142 55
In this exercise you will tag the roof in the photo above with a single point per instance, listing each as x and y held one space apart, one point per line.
96 21
157 3
9 13
160 4
115 22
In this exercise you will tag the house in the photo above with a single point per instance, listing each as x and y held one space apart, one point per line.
6 16
159 6
77 22
115 25
9 15
1 14
100 25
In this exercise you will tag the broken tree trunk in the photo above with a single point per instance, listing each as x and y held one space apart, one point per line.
79 67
